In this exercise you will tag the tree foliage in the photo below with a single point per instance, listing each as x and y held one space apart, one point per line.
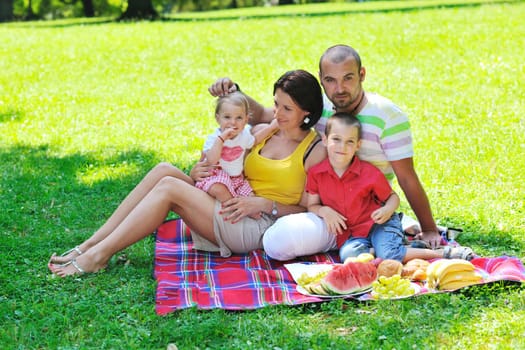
139 9
119 9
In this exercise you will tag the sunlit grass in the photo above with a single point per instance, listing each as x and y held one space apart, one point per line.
87 110
93 174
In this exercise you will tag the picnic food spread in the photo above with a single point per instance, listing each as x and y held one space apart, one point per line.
389 268
388 279
392 287
415 270
450 274
188 278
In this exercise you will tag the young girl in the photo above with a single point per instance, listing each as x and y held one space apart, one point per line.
227 146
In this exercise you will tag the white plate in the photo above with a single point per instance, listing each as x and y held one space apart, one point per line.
312 269
301 290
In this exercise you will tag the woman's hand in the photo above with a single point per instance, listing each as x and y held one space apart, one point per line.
236 208
202 170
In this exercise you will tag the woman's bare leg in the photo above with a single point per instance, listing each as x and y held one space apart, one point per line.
193 205
124 209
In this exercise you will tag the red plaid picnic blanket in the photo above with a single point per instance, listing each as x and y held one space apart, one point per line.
191 278
187 277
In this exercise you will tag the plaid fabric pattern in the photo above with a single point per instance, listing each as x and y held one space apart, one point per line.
237 185
191 278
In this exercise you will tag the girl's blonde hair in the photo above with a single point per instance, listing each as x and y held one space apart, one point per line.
236 98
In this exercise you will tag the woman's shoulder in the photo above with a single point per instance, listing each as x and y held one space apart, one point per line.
315 153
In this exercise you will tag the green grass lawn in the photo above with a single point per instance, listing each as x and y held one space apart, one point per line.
87 110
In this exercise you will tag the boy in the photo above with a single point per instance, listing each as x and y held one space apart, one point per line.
356 202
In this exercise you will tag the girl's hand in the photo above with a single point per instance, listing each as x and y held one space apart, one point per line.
381 215
335 222
228 133
236 208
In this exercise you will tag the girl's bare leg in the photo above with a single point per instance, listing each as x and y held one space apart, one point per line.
220 192
193 205
124 209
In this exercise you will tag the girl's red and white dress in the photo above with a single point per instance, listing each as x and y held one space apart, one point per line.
231 164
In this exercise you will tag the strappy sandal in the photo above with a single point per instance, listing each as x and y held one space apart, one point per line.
77 266
75 249
464 253
73 262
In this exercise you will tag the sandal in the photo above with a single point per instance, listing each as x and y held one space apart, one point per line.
464 253
77 266
54 268
75 249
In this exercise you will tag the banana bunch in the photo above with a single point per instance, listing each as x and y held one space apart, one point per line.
452 274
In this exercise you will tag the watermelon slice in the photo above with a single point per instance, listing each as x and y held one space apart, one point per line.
365 273
352 277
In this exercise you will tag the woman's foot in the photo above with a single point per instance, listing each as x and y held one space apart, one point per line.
79 266
65 257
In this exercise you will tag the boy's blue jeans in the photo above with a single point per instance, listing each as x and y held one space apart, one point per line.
386 239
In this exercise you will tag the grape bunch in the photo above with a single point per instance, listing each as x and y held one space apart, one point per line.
391 287
305 278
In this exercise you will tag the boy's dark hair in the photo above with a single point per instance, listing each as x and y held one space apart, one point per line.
346 119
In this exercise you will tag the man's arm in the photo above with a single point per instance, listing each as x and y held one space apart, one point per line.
417 198
258 113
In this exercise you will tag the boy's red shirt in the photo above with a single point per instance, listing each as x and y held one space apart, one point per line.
362 189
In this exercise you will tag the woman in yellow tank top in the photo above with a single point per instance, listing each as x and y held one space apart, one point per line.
276 170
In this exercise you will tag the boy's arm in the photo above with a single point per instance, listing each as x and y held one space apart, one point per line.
334 221
392 203
313 203
383 214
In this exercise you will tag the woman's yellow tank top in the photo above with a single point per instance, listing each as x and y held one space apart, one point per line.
281 180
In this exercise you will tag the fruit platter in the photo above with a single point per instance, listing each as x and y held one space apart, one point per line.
368 278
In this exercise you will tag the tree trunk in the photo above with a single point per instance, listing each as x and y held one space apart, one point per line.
89 9
6 10
139 9
30 15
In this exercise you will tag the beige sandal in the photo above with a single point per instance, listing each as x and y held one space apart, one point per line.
464 253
